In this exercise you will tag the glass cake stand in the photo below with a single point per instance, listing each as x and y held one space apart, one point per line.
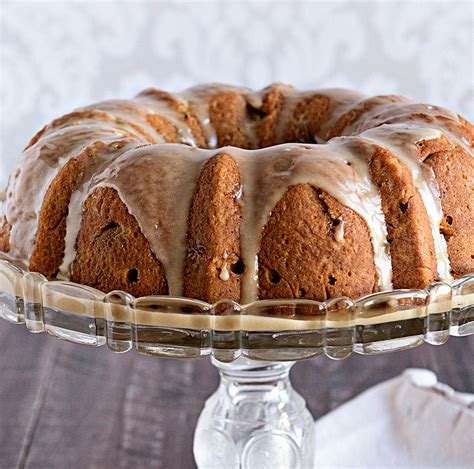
255 418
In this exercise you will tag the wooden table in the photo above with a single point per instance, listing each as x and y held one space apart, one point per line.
71 406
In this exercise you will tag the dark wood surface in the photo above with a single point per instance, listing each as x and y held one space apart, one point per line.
71 406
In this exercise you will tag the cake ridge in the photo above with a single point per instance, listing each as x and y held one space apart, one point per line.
391 136
79 194
39 166
294 167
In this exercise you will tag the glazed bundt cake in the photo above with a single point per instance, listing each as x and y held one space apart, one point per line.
223 192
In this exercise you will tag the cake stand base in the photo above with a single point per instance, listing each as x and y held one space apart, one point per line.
255 419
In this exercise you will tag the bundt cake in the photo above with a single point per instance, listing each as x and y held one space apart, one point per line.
222 192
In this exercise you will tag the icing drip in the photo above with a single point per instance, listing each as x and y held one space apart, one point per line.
404 111
130 110
163 108
224 274
90 119
94 165
339 168
400 140
198 98
39 166
173 169
340 101
290 100
73 223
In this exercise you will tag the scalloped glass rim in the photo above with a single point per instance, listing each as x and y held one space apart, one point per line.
264 330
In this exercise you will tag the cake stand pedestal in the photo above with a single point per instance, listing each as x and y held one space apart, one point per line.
255 419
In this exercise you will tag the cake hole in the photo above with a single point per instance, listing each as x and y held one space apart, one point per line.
132 276
335 221
332 280
254 113
449 220
110 226
285 241
274 276
403 207
237 267
301 293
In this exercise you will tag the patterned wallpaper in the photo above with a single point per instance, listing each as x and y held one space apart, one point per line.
55 56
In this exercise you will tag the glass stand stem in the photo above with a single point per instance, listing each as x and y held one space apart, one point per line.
255 419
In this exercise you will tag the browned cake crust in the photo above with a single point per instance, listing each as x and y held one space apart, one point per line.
272 103
164 127
308 116
48 251
346 123
213 264
300 255
454 170
227 113
410 114
112 253
5 229
408 226
96 117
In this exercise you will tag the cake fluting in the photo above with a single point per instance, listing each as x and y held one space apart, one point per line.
224 192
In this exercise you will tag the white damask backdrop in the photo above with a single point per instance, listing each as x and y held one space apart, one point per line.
55 56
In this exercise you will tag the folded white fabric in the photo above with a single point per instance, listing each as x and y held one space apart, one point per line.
409 421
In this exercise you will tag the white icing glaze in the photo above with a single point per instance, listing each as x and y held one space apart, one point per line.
198 98
340 101
129 111
400 140
404 111
73 221
267 173
224 274
165 109
38 167
173 169
338 168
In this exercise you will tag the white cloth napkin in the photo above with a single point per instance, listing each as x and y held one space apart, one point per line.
409 421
